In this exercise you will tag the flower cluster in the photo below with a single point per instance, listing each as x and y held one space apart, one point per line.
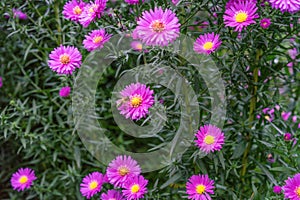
123 173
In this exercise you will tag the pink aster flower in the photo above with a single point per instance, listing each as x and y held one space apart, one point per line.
136 100
287 136
292 188
135 188
157 27
265 23
73 9
290 66
19 14
199 187
209 138
133 1
91 184
285 115
121 169
1 82
293 53
207 43
277 189
136 45
294 118
112 195
230 2
96 39
286 5
91 11
65 91
240 15
65 59
175 2
22 179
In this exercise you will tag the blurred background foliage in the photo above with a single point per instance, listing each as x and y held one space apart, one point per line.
36 125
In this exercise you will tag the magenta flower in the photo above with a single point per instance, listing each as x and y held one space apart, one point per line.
290 6
91 11
105 179
240 14
270 158
268 114
91 184
285 115
1 82
292 188
133 1
265 23
65 91
136 100
64 59
96 39
207 43
293 53
231 2
121 169
294 118
209 138
199 187
287 136
73 9
112 195
22 179
135 188
277 189
19 14
175 2
136 45
157 27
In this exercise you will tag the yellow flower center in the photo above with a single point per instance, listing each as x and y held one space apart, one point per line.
135 188
200 189
77 10
136 101
93 185
97 39
139 47
267 118
208 46
241 17
209 139
157 26
298 191
64 59
123 170
93 8
23 179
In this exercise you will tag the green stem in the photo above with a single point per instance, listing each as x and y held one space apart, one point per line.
58 26
43 19
251 116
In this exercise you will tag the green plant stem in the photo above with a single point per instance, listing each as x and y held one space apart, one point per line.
43 19
251 116
58 26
